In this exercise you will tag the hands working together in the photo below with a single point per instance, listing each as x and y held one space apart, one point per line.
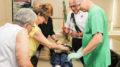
71 32
64 47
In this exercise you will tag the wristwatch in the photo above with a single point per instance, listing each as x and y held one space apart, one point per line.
56 41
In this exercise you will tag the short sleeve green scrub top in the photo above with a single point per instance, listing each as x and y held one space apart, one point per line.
97 23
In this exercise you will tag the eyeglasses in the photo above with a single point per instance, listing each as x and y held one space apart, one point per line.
31 25
74 6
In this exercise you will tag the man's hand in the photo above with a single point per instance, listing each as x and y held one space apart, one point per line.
74 34
65 31
63 48
59 42
74 55
57 51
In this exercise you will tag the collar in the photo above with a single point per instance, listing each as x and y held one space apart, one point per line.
78 12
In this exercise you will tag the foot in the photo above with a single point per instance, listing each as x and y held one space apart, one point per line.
57 66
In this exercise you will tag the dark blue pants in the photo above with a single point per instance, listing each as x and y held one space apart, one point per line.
60 59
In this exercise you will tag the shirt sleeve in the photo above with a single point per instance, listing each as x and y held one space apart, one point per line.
97 22
51 26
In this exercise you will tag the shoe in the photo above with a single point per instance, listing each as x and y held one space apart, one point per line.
57 66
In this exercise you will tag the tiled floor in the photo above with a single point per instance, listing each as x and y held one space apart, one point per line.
45 63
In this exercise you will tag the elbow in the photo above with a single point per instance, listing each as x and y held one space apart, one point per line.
26 65
100 40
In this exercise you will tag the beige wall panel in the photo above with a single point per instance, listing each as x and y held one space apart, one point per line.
107 5
5 11
58 7
118 16
58 10
2 12
58 24
117 19
58 13
8 10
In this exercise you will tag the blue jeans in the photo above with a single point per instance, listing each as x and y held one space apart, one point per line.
60 59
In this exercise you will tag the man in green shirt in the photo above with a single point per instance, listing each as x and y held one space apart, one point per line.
95 45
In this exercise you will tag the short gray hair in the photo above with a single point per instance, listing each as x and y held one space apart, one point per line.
74 1
24 15
36 3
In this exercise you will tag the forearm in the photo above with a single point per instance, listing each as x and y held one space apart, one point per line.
54 37
45 42
66 31
42 40
80 34
55 46
96 40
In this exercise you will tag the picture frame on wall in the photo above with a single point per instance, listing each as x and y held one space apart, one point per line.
17 4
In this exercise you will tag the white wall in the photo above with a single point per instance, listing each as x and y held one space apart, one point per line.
107 5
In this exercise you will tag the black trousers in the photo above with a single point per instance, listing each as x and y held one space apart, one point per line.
76 44
34 59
